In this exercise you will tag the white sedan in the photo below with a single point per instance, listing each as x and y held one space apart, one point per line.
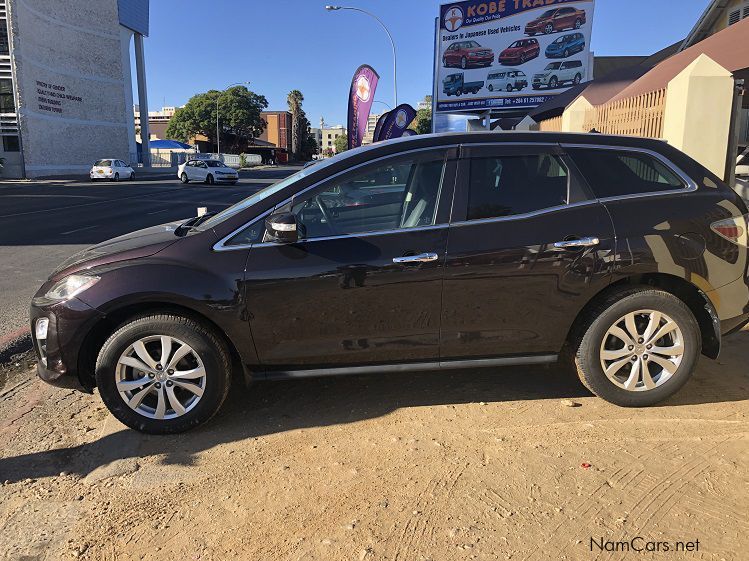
208 171
112 169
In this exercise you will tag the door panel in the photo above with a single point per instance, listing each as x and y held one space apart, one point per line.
508 289
344 301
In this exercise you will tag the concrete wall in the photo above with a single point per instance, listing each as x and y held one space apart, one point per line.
697 117
71 84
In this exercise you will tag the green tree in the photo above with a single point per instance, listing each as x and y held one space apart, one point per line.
238 110
299 123
341 143
422 124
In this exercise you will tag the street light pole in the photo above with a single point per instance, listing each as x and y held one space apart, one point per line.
392 43
218 131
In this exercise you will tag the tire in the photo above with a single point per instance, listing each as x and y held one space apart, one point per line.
463 63
522 58
577 79
211 351
209 179
490 88
548 28
444 62
578 23
132 176
553 82
458 92
509 87
611 313
116 177
566 53
183 178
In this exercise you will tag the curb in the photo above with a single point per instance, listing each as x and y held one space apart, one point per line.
14 343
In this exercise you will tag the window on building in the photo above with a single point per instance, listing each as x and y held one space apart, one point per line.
4 43
741 12
7 103
511 185
613 173
11 144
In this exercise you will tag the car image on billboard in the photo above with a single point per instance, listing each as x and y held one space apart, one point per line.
505 55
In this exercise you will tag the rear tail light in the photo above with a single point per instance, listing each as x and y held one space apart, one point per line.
733 229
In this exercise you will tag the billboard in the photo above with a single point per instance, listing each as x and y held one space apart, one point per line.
510 54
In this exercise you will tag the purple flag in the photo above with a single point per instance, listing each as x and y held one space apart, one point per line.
378 126
363 86
396 122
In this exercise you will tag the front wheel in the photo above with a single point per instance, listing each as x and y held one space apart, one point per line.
509 87
577 79
553 82
132 176
163 373
463 63
490 88
640 347
209 179
183 178
566 53
578 23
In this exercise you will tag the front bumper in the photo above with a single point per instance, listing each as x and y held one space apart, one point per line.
226 178
480 61
554 54
59 352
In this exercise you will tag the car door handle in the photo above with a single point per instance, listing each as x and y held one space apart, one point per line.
420 258
577 242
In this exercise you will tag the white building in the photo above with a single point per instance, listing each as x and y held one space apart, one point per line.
65 88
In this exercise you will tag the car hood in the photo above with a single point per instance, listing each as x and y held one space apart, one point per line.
538 21
475 50
511 50
141 243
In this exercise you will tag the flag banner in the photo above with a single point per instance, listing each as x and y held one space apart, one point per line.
378 126
361 96
396 122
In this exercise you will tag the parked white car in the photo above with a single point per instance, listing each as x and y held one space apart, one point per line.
506 80
557 73
207 171
112 169
742 165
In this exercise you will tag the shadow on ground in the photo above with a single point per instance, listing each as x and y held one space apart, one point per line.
268 408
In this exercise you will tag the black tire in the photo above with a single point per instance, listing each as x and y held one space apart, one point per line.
566 53
116 177
553 82
509 87
132 176
211 349
548 28
209 179
522 58
464 63
183 178
458 92
604 315
577 79
578 23
490 88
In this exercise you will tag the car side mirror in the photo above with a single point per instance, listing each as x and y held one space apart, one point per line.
282 227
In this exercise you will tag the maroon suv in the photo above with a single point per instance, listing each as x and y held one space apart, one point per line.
466 54
556 19
519 52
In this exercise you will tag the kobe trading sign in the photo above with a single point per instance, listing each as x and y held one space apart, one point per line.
510 54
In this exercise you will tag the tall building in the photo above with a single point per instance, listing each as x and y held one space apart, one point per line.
158 121
278 129
65 88
329 134
371 124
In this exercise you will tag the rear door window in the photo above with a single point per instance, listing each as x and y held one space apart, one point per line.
616 173
511 185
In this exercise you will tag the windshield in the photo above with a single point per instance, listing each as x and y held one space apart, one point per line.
515 45
561 39
473 44
548 13
105 163
553 65
215 164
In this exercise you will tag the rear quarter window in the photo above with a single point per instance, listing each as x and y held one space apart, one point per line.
616 173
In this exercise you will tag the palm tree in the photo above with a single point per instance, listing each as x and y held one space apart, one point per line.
294 100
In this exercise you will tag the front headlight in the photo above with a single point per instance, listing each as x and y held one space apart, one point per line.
70 286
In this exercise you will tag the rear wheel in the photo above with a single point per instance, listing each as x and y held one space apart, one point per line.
132 176
640 347
548 28
116 177
209 179
163 373
578 23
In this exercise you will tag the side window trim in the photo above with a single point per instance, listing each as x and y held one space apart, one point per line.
689 184
444 207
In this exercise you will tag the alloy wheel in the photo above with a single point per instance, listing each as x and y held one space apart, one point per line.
642 350
160 377
463 63
548 29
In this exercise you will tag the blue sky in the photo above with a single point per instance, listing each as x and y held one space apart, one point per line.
281 45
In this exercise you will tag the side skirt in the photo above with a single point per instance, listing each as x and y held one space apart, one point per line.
408 367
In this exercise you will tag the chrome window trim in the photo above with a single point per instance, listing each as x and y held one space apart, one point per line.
525 214
689 184
221 244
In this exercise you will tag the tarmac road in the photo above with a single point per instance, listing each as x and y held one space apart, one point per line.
43 223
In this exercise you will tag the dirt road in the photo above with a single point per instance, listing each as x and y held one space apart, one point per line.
483 464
